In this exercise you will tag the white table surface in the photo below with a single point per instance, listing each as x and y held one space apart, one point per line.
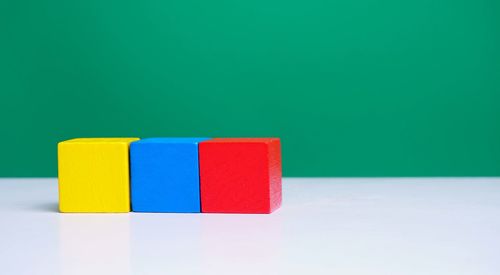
325 226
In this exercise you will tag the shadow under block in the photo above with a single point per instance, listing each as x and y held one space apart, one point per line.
165 175
240 175
94 175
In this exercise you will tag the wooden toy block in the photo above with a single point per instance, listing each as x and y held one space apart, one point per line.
165 175
94 175
240 175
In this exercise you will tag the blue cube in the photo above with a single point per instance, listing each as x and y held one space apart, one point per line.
165 175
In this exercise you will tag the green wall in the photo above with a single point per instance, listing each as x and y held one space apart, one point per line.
353 88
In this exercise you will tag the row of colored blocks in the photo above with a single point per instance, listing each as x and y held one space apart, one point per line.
182 175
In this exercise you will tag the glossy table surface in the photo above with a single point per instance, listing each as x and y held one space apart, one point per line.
325 226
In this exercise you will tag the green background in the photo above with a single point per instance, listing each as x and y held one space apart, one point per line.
353 88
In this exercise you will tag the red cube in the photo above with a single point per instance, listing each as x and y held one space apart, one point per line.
240 175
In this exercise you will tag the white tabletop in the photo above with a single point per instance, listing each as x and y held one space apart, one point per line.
325 226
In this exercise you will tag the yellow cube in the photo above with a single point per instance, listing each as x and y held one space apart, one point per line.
94 175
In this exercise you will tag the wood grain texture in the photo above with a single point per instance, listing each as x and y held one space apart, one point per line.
94 175
240 175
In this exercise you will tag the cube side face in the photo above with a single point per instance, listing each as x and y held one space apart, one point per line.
94 176
275 174
234 177
165 177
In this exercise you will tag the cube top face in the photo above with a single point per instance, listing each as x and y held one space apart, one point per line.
182 140
94 175
244 140
240 175
100 140
165 175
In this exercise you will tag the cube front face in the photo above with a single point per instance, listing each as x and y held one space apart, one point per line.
94 175
165 175
240 175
